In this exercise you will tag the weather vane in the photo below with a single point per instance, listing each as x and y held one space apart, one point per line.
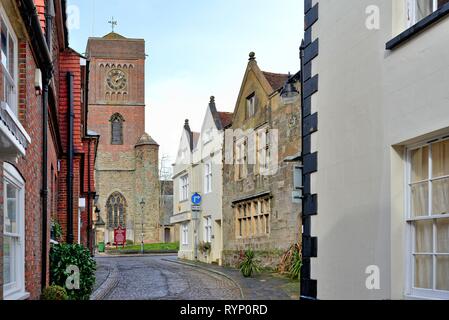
113 23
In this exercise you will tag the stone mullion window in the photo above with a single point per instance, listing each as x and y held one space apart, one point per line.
252 218
116 208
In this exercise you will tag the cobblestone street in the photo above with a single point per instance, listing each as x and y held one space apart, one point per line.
155 278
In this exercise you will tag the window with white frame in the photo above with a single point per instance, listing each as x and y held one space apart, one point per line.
428 219
185 234
208 177
419 9
184 188
208 229
8 51
13 234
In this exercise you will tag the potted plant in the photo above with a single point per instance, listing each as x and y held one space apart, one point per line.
205 247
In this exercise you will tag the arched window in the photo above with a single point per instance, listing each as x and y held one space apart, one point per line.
117 129
116 208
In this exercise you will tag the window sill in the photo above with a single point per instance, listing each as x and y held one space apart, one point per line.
418 27
17 296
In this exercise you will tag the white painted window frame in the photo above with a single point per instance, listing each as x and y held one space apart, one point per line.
411 291
208 229
16 291
411 6
7 77
184 188
208 177
185 234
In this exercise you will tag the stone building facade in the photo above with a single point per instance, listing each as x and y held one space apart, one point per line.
260 210
127 167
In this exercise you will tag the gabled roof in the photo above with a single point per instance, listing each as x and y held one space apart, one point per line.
270 82
114 36
225 118
276 80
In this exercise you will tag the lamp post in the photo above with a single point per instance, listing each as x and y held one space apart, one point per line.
289 94
142 206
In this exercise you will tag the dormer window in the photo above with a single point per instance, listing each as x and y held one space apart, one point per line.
251 106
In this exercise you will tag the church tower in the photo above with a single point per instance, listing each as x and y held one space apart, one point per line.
117 113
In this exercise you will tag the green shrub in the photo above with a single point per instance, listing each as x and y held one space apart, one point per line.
54 293
56 230
129 242
249 265
62 256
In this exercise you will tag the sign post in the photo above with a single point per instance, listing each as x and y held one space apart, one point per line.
196 209
120 237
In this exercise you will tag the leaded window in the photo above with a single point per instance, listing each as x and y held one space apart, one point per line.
116 209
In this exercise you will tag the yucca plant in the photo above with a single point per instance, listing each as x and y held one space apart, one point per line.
249 265
295 269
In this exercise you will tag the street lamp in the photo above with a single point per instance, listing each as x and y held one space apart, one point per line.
289 94
142 205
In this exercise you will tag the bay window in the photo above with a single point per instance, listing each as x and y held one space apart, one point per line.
13 234
8 51
428 220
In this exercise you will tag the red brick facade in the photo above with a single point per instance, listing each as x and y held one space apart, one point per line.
30 114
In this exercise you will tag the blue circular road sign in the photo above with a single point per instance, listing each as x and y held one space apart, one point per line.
196 199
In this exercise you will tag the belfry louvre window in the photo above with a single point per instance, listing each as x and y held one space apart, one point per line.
116 208
117 129
428 219
252 218
419 9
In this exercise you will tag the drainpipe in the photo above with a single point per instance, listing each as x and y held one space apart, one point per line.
89 190
70 121
89 198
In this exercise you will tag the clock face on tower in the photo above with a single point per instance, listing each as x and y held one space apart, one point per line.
116 80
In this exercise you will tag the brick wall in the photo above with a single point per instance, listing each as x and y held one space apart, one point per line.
31 169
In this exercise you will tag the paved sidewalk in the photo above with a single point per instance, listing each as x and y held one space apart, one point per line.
260 287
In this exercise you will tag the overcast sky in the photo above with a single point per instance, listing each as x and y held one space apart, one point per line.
196 48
